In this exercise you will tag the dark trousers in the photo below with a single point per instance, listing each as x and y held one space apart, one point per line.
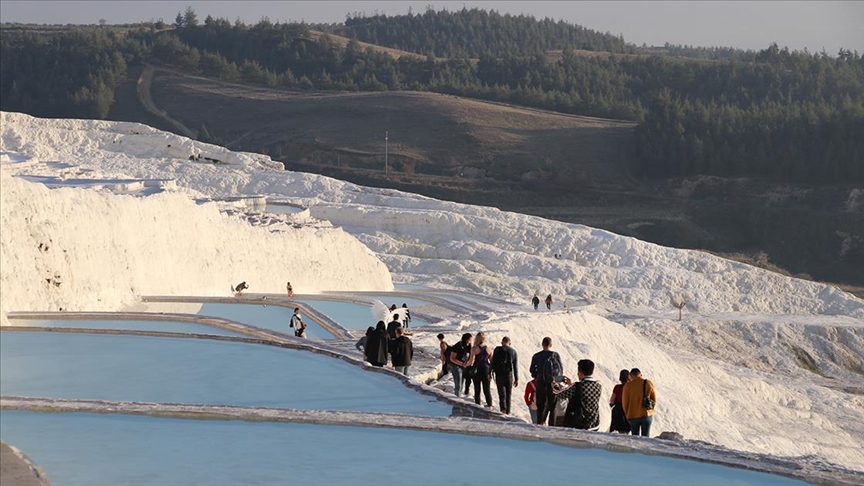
483 379
545 402
504 383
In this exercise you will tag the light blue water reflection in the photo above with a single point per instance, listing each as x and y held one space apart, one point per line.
417 287
272 317
393 299
136 325
89 449
107 367
348 314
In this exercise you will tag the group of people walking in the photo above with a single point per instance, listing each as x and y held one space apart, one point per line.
552 398
388 342
535 301
471 361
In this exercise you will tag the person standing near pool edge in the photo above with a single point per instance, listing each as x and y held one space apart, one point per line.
546 367
401 352
459 354
505 367
298 324
407 312
378 346
442 355
636 393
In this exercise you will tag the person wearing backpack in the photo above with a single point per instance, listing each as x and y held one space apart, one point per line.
459 354
535 301
546 367
638 398
297 324
481 360
505 368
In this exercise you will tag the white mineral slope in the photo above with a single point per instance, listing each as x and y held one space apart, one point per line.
427 240
80 249
701 398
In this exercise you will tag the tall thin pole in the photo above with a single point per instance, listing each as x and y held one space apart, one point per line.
386 154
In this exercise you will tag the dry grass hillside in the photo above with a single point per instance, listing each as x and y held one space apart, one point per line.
343 41
429 133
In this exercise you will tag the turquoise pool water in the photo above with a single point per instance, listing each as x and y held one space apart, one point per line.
271 317
135 368
417 287
90 449
131 324
393 299
348 314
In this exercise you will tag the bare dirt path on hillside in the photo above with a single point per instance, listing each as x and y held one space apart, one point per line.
145 81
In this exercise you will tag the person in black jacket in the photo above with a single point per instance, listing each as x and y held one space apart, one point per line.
402 352
546 367
505 367
378 346
459 354
393 325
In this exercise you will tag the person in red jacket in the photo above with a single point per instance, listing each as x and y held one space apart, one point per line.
619 420
531 399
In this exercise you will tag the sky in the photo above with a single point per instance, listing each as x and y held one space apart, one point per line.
747 25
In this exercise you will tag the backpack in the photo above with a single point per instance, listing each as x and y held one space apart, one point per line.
504 365
550 369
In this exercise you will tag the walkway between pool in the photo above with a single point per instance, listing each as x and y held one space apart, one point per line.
17 470
319 318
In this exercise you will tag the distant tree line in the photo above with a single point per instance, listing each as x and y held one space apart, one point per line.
69 73
784 115
470 33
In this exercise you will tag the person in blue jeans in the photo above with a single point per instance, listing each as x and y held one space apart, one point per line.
459 354
633 398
